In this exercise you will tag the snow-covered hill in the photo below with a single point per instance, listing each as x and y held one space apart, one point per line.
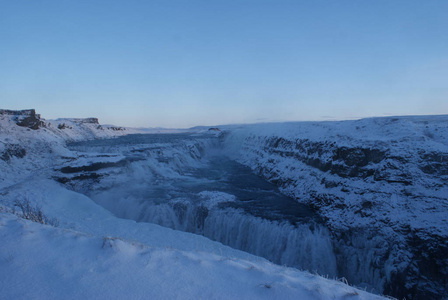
95 255
381 184
28 143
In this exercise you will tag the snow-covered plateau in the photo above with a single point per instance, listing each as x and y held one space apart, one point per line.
365 201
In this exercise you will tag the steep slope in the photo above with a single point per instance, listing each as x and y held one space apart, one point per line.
381 184
43 262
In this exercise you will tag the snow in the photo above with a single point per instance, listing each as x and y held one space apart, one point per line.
42 262
213 198
95 255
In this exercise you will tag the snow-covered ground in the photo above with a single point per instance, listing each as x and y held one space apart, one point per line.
94 255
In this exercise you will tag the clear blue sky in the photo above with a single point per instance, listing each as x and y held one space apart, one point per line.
185 63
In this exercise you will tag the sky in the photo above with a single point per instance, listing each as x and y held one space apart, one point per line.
207 62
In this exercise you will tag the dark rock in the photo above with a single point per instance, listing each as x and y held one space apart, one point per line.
116 128
62 126
86 120
426 277
358 157
25 118
12 150
90 176
93 167
434 163
351 156
392 172
24 112
329 184
344 162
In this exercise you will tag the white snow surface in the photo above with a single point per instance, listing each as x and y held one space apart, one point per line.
94 255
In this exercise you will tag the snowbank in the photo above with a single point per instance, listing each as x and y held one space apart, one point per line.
42 262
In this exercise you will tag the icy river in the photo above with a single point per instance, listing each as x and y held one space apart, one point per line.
186 182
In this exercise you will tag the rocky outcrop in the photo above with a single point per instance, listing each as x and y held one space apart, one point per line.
434 163
115 128
62 126
76 129
93 167
23 112
328 157
25 118
86 120
79 121
12 150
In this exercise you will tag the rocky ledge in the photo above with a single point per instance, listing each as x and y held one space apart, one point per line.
25 118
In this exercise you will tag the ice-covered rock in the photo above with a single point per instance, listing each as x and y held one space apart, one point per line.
25 118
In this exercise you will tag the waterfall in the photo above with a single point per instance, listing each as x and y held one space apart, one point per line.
303 246
173 185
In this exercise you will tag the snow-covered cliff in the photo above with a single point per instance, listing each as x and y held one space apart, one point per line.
37 143
381 184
